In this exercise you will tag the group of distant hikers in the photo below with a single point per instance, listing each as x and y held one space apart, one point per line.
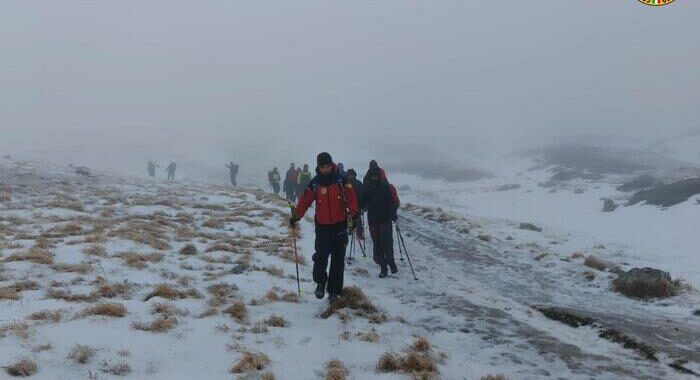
170 170
341 199
295 181
341 202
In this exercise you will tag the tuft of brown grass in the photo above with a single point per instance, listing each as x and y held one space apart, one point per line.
370 336
114 290
69 297
596 263
139 260
111 309
9 294
336 370
222 246
250 361
166 291
167 310
120 368
159 325
276 321
267 376
95 250
389 362
494 377
352 298
34 255
23 367
237 311
80 354
418 361
47 315
82 268
421 345
189 250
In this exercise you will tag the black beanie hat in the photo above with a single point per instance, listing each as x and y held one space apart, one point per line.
373 164
323 159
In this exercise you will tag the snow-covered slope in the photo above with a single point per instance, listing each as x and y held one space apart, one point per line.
70 243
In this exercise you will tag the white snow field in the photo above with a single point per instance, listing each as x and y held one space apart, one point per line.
106 277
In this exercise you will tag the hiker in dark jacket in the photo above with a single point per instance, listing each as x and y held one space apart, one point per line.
152 169
171 171
381 201
233 172
336 206
290 183
358 187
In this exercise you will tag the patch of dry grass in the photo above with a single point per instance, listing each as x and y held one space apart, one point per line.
9 294
110 309
82 268
596 263
80 354
113 290
22 367
336 370
237 311
95 250
188 250
222 247
418 361
139 260
352 298
18 329
250 361
370 336
276 321
167 310
34 255
47 315
494 377
67 296
172 293
159 325
121 368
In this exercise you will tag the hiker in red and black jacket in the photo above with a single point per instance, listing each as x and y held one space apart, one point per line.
336 208
381 201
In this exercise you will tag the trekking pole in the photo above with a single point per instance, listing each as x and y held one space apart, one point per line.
364 234
398 231
294 239
352 248
398 242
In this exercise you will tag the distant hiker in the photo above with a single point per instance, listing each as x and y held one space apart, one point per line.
358 187
273 177
381 201
290 183
171 171
152 169
336 205
303 179
341 170
233 172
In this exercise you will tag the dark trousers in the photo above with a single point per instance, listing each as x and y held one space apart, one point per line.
383 239
233 181
171 175
331 240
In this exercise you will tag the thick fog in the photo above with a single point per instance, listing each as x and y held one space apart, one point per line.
262 83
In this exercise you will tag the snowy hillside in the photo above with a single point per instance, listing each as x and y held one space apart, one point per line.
107 277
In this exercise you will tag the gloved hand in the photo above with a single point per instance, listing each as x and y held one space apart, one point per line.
293 221
351 224
394 217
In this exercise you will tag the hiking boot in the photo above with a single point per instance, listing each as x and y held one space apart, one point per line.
332 296
320 290
383 273
394 269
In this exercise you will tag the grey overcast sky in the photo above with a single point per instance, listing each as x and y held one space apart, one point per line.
115 83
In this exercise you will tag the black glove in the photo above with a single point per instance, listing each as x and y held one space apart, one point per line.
293 221
394 217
